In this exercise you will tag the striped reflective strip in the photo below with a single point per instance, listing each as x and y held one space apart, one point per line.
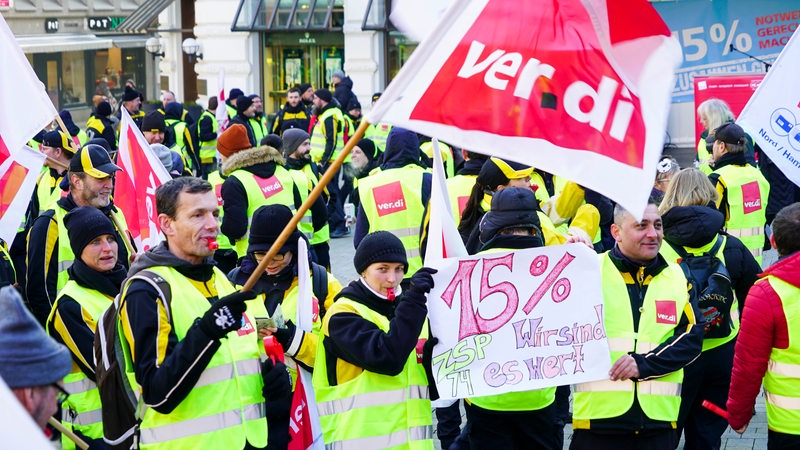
756 252
659 388
84 418
746 232
202 425
395 439
412 253
405 232
370 399
306 219
605 386
620 344
645 347
783 402
784 369
64 265
80 386
318 145
224 372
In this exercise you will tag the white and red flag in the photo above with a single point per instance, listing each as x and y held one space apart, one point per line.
18 174
222 111
135 188
579 88
443 238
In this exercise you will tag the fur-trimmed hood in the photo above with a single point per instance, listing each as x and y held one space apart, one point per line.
257 155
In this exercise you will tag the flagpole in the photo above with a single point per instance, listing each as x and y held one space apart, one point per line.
312 197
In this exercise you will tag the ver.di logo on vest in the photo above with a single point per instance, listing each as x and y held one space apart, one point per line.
666 312
751 196
389 198
269 186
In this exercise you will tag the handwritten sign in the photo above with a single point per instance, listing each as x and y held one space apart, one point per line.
518 320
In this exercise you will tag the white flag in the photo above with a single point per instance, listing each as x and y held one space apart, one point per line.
18 173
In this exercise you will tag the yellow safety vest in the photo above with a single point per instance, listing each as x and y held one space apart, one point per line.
459 188
379 132
82 410
748 191
216 180
48 191
302 182
259 129
664 302
318 135
180 145
324 234
392 201
373 411
232 379
782 380
208 149
447 156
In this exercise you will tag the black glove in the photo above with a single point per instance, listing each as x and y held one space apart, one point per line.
94 444
427 358
421 284
286 335
277 389
225 315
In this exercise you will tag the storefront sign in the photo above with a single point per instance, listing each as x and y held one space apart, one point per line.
711 32
736 90
105 23
51 25
307 39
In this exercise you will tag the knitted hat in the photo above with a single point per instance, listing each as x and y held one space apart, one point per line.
94 161
242 103
235 93
233 139
380 246
497 172
57 139
338 74
304 87
267 224
511 207
154 122
272 140
164 155
367 147
173 110
292 138
84 224
324 95
28 356
130 94
376 96
103 109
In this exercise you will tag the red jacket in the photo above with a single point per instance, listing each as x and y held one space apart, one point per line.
763 328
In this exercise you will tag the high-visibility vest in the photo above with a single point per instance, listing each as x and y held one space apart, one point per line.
208 149
392 201
48 191
324 234
216 180
378 132
459 188
259 129
82 410
231 111
96 123
782 380
302 182
232 378
748 191
447 156
661 310
180 145
277 189
6 267
318 134
355 414
672 256
80 139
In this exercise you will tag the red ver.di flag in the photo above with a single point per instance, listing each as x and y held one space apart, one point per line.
135 189
577 88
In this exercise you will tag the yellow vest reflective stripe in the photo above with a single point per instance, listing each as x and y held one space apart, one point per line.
379 133
391 200
659 398
232 378
216 180
748 191
81 411
48 191
782 380
323 234
208 149
95 123
305 225
459 189
277 189
353 415
447 156
318 134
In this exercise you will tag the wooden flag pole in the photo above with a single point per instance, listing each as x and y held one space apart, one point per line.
72 436
312 197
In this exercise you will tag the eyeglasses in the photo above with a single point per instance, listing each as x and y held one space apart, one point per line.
277 258
61 394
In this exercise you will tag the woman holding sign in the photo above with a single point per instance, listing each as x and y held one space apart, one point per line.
369 380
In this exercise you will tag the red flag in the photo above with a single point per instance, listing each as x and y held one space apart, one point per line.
579 88
135 189
18 174
299 425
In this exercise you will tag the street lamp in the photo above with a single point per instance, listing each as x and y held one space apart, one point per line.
153 46
193 49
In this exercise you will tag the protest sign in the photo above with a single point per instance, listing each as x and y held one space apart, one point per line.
518 320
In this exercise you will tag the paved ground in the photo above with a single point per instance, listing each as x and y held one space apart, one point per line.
754 438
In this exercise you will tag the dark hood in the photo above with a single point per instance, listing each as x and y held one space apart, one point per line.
173 110
402 149
346 83
692 226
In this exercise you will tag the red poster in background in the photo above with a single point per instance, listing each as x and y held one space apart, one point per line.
735 90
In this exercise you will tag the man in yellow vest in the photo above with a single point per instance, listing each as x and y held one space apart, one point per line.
230 102
245 111
154 127
742 188
327 140
259 121
169 97
396 198
179 137
293 114
60 149
652 331
100 125
91 180
196 353
768 344
132 102
378 132
207 135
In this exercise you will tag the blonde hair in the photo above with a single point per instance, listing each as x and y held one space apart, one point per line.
716 111
690 187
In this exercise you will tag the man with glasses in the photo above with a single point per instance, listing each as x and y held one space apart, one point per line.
32 364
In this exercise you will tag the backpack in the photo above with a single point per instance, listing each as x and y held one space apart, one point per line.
122 407
710 287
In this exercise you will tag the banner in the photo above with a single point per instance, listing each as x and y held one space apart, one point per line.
708 29
735 90
135 188
577 88
18 175
772 116
222 110
516 321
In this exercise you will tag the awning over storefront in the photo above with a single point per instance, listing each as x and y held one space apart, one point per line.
144 15
62 43
376 17
289 15
129 41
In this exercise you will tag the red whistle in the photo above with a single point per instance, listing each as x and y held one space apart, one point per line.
273 348
715 409
390 294
212 244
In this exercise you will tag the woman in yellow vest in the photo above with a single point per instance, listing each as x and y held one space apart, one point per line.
371 387
94 280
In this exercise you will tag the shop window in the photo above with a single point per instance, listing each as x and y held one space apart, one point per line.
73 78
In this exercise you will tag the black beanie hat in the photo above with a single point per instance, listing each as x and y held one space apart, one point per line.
368 147
380 246
103 109
130 94
84 224
242 103
154 120
267 224
324 94
511 207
